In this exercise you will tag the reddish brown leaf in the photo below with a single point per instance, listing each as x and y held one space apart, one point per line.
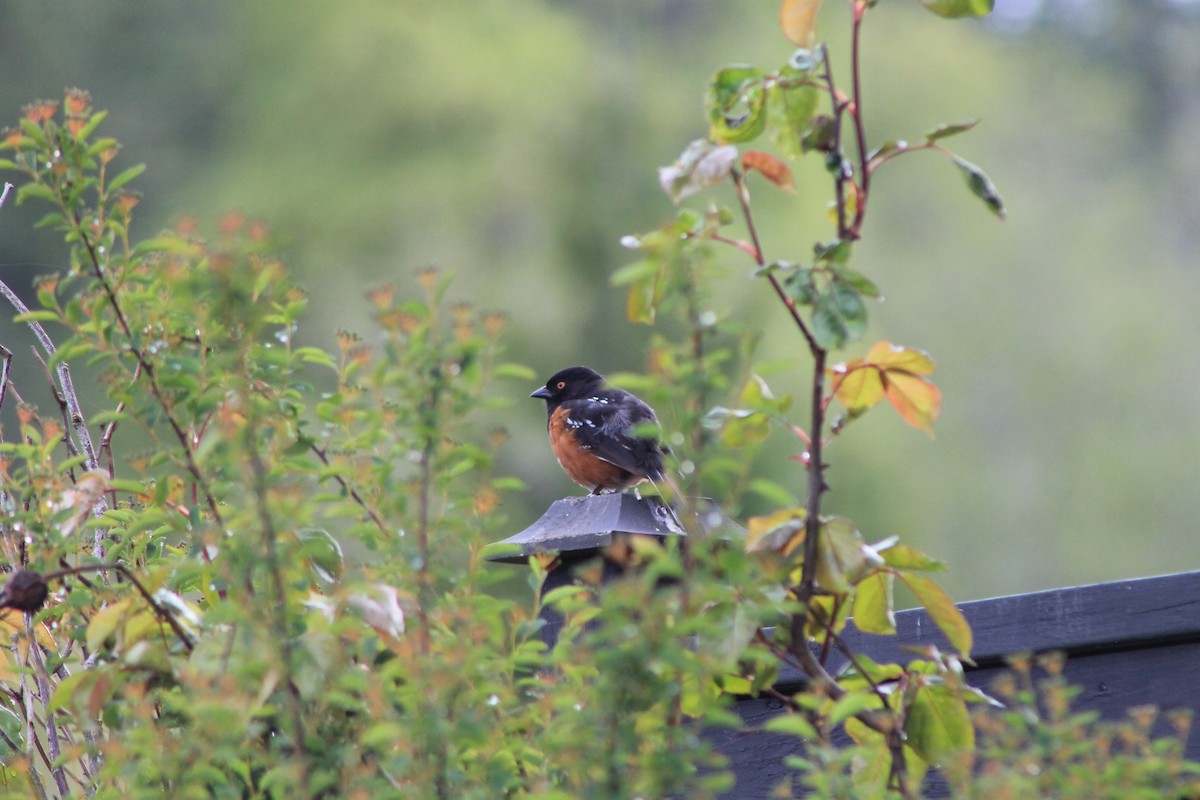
771 168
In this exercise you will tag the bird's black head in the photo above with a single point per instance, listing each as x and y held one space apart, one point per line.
569 384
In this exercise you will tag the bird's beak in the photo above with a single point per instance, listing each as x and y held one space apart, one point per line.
541 392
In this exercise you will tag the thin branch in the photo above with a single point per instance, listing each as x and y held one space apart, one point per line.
78 424
320 453
743 197
6 356
32 742
4 194
43 681
860 132
164 614
148 371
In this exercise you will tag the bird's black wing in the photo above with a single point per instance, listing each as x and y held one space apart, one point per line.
604 423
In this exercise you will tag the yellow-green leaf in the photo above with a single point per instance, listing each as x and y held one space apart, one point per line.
874 609
857 385
942 610
938 724
901 556
893 356
782 531
953 9
841 558
792 725
852 703
105 623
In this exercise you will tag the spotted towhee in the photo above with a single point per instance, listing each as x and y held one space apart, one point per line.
592 432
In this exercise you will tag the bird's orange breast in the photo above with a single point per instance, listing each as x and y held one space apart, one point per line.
581 464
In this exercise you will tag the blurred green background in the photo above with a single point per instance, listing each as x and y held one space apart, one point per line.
513 143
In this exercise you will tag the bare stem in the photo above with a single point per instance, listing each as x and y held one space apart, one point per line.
860 132
68 395
43 682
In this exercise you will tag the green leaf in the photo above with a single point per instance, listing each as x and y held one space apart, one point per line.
35 190
37 316
942 610
736 103
938 724
790 109
90 126
64 693
841 556
950 129
773 492
952 9
637 271
801 286
874 610
981 186
839 316
851 704
791 724
855 280
513 371
125 177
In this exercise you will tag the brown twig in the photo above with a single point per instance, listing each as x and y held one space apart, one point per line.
321 454
162 612
148 372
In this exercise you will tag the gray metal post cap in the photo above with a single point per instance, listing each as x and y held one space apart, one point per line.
586 523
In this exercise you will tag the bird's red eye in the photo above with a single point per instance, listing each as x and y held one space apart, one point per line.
561 384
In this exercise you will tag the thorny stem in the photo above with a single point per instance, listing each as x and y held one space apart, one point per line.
816 481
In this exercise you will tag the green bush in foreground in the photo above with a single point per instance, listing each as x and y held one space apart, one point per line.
266 560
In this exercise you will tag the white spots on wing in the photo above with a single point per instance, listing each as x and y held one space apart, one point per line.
600 400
